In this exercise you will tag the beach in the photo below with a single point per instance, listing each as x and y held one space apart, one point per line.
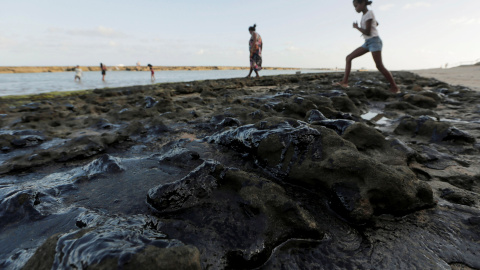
40 69
279 172
468 76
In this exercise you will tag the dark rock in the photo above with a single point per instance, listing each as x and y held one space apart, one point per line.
185 193
400 105
434 159
344 104
433 130
332 93
456 135
295 108
301 154
150 102
16 205
104 124
431 95
106 244
244 214
457 198
315 116
70 107
106 164
376 93
28 141
364 137
402 147
339 125
421 101
81 147
474 221
229 122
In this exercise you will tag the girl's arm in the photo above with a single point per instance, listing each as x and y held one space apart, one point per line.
368 27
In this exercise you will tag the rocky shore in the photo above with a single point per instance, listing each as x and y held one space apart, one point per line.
281 172
39 69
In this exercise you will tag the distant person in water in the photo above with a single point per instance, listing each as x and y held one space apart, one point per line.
78 73
152 71
104 71
373 43
255 47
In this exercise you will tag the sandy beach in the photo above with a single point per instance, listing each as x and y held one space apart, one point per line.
468 76
279 172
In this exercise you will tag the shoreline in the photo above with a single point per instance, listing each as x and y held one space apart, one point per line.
467 76
74 93
40 69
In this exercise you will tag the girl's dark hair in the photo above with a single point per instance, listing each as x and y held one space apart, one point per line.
101 64
361 1
252 28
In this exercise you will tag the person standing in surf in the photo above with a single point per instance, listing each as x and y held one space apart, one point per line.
104 71
373 44
255 47
152 76
78 73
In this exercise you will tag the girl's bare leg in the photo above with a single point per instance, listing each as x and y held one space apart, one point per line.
250 73
377 57
348 66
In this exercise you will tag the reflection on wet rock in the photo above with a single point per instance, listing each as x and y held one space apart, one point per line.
106 164
150 102
114 242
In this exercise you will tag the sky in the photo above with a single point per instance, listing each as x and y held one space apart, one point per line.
301 34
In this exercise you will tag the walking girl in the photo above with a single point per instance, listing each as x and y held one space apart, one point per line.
255 46
373 44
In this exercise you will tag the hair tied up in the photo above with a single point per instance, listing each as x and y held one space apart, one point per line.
252 28
362 1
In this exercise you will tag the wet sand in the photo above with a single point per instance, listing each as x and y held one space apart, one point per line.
280 172
468 76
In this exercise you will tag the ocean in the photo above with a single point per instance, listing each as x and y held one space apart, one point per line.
36 83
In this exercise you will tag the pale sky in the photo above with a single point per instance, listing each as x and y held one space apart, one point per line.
416 34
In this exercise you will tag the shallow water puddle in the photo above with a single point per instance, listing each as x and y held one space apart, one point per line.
378 118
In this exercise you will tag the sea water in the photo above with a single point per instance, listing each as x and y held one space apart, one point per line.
36 83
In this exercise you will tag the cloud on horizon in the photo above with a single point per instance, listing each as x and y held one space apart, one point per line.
465 21
417 5
386 7
100 31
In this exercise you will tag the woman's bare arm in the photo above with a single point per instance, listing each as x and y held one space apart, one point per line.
368 28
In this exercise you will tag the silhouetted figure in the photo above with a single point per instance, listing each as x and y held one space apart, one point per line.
255 46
